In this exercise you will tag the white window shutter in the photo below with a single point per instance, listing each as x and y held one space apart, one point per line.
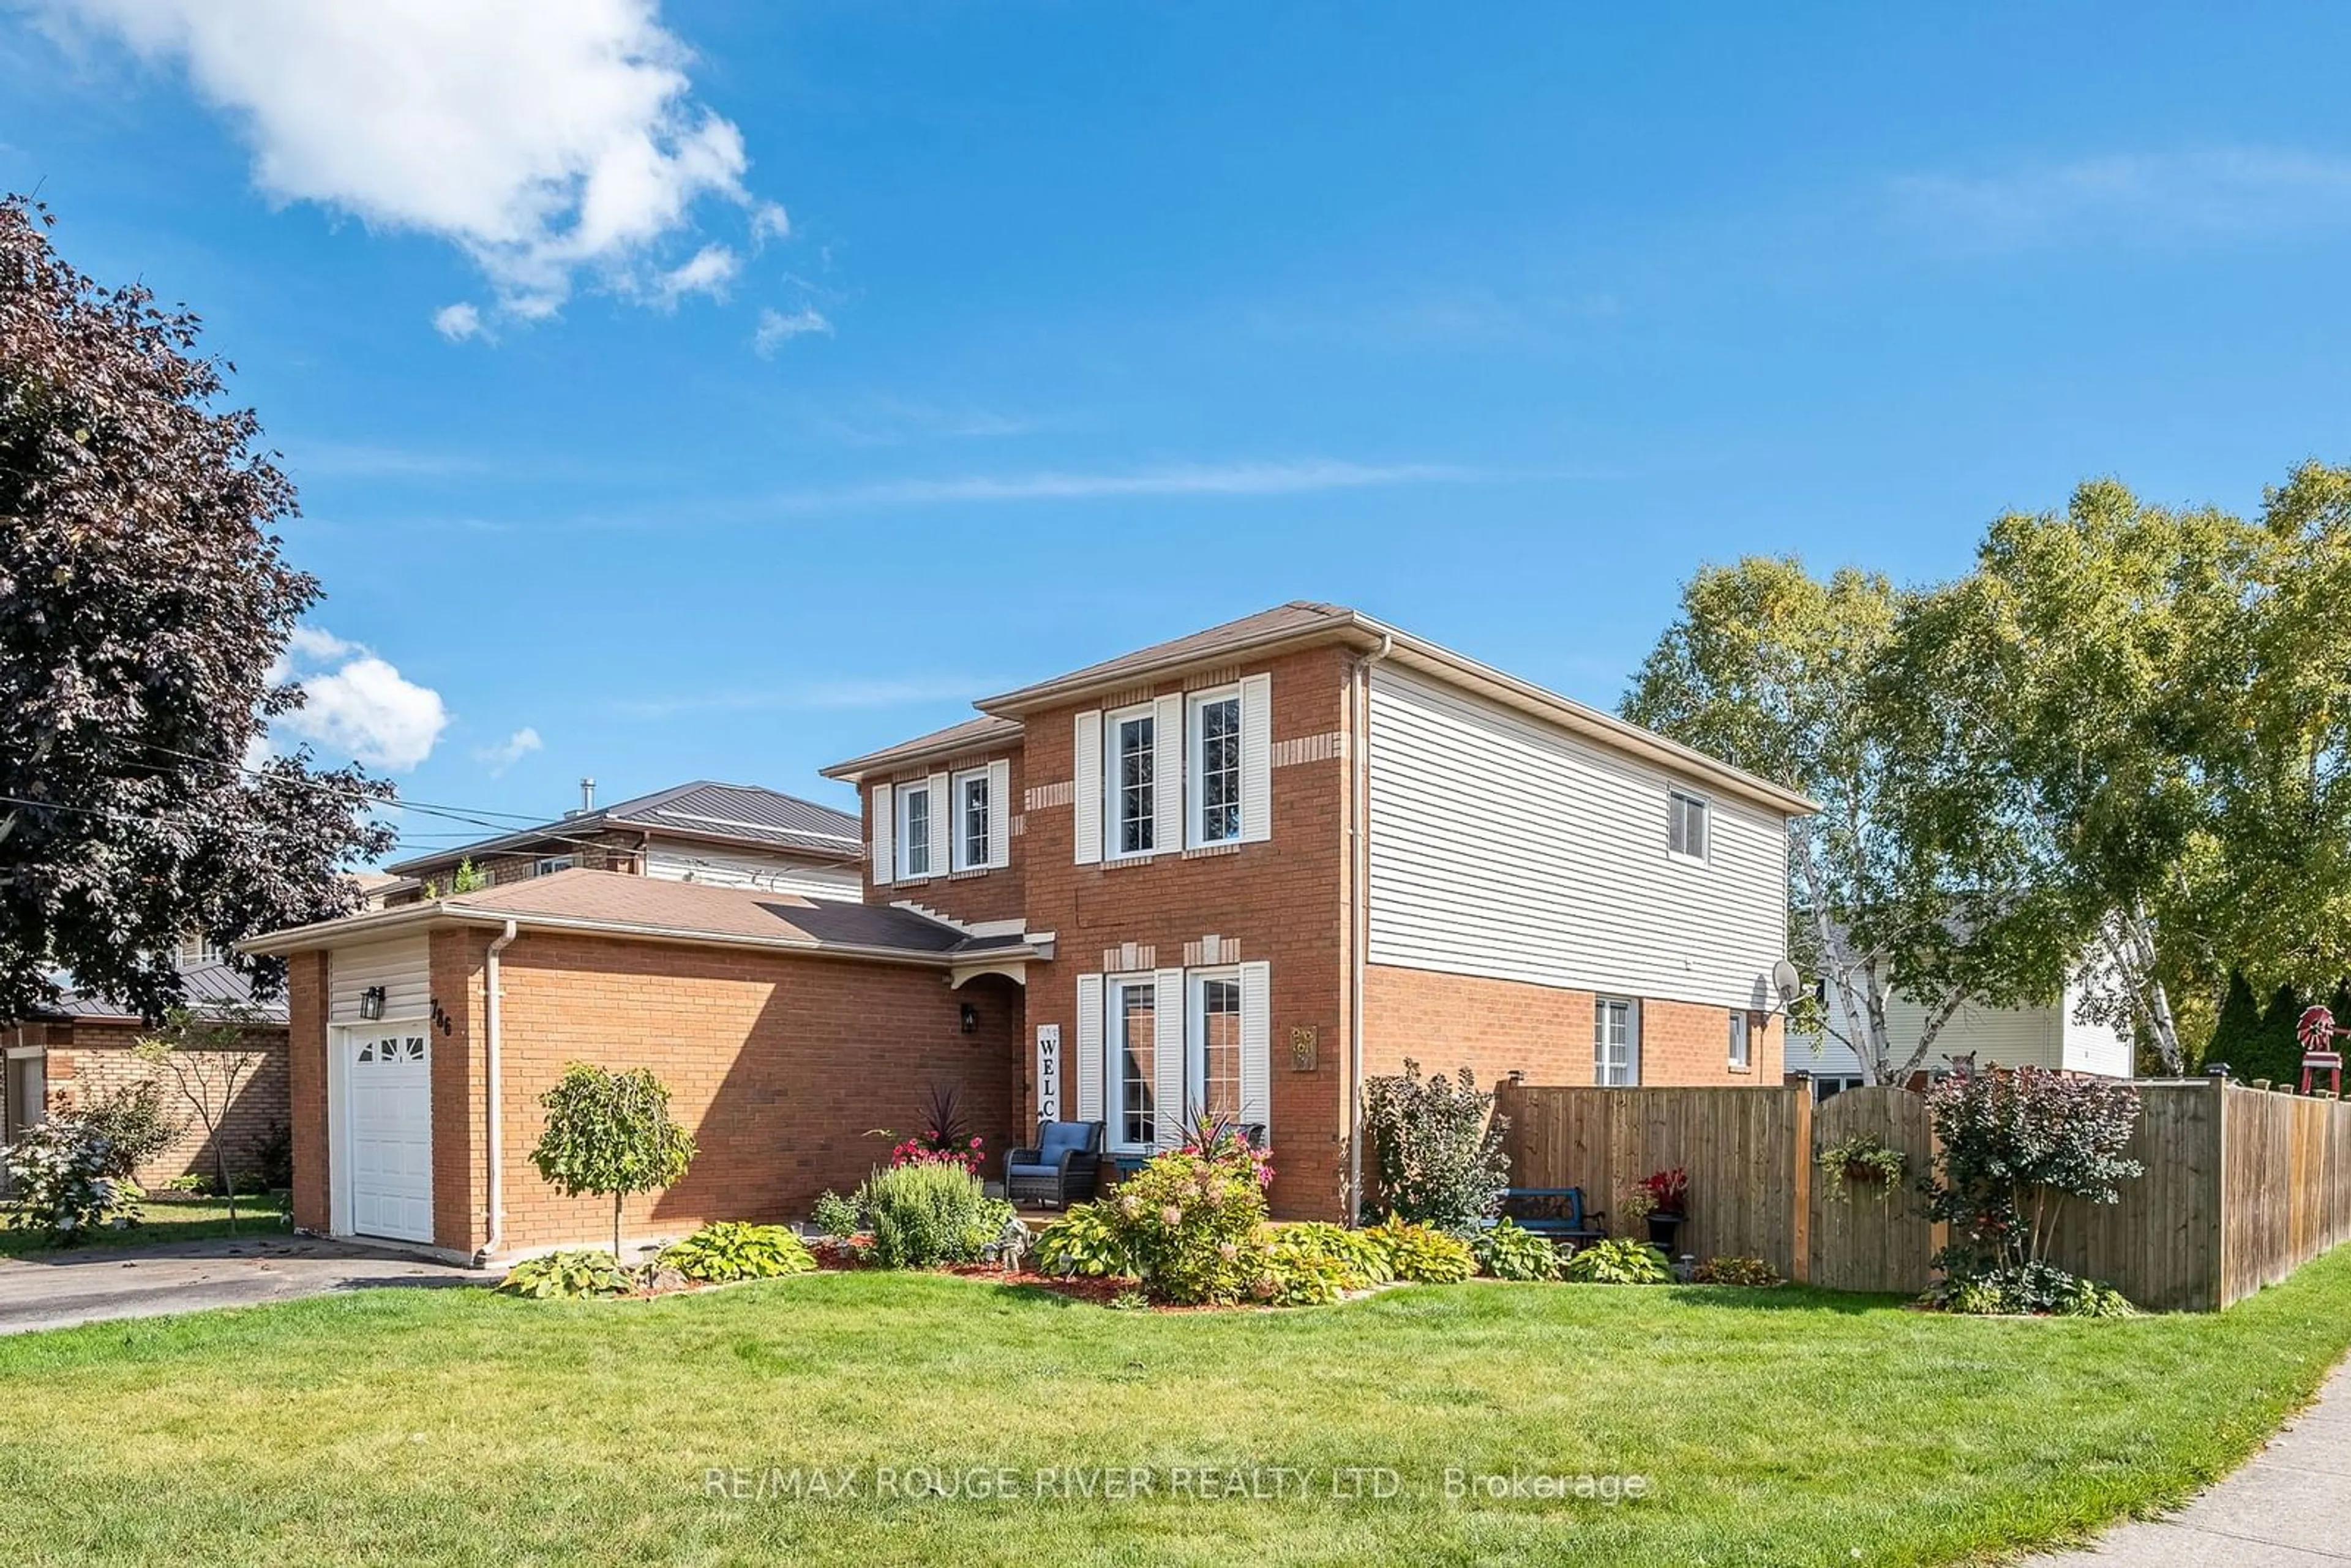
943 821
1257 1045
1633 1041
1086 800
1257 758
884 824
1089 1047
1168 749
1170 1046
999 813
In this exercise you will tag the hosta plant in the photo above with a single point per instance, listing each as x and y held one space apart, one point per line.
1620 1260
1508 1251
1421 1253
580 1272
1082 1241
729 1249
1358 1249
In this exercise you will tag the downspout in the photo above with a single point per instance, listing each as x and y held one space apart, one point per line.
1360 783
490 1057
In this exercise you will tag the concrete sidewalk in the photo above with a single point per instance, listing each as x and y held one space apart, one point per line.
57 1290
2289 1507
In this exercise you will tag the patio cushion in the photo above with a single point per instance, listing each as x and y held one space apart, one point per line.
1052 1170
1059 1135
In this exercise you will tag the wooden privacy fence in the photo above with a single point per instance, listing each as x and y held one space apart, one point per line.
2241 1185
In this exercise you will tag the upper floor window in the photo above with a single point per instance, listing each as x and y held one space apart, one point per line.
972 807
1687 825
1615 1043
913 831
548 865
1217 768
1133 763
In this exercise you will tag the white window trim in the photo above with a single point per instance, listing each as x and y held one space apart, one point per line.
1196 767
548 865
1675 796
1113 1050
1113 793
1196 1033
958 839
1632 1006
1742 1044
905 870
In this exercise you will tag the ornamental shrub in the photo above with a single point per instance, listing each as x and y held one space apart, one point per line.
837 1215
728 1249
1620 1260
608 1134
580 1272
1083 1241
2017 1147
1509 1251
1188 1222
1437 1148
2037 1289
929 1213
1752 1273
134 1123
63 1173
1421 1253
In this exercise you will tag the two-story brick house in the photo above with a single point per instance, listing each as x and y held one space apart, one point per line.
1286 853
1234 873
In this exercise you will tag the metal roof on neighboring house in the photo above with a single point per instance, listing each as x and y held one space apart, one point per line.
614 903
210 987
729 813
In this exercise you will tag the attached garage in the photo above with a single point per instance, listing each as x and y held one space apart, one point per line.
787 1028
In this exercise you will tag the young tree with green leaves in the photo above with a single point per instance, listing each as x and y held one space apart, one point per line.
208 1059
608 1134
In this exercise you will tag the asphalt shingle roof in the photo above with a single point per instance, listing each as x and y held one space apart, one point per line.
689 908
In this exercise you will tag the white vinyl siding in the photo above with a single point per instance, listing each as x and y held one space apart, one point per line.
777 874
1086 795
882 820
1503 848
1615 1042
401 966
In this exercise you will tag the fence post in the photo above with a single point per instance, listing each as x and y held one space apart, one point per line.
1800 1265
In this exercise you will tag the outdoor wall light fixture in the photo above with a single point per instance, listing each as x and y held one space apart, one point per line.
970 1018
371 1002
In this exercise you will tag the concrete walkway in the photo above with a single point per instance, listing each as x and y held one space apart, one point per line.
2287 1508
58 1289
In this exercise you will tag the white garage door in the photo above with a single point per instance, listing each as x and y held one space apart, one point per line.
390 1076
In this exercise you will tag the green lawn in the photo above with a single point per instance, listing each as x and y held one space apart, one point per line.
1778 1428
168 1220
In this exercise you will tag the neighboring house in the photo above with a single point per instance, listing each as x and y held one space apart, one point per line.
2042 1035
727 835
1237 873
85 1047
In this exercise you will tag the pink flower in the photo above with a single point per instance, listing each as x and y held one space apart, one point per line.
1171 1217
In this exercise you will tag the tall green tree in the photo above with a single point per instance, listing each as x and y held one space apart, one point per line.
1773 670
2052 712
143 603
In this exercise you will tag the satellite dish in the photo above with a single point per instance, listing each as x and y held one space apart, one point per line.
1786 981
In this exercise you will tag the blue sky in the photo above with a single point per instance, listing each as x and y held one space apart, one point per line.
932 348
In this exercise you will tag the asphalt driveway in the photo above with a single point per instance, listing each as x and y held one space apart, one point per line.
58 1289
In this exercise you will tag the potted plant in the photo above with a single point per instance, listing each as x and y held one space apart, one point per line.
1668 1194
1860 1160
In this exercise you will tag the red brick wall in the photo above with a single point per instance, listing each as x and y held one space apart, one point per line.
616 851
970 896
88 1062
1497 1027
1284 900
780 1065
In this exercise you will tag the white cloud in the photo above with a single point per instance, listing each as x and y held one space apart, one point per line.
547 139
2238 190
358 705
512 749
777 329
712 268
457 322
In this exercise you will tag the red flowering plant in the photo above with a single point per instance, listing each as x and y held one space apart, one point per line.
1217 1136
945 1139
1667 1190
